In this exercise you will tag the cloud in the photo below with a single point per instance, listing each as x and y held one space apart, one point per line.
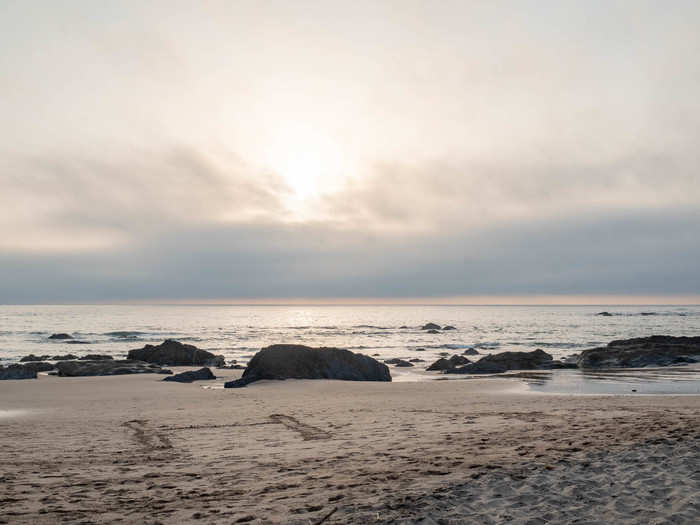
82 203
642 253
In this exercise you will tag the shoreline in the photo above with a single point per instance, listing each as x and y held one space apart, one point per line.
133 449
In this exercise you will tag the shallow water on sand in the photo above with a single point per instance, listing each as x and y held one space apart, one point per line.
238 332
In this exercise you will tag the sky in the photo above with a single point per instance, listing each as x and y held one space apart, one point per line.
521 151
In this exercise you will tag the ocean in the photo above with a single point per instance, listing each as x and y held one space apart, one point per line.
238 332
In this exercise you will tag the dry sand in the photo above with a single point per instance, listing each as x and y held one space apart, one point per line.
134 449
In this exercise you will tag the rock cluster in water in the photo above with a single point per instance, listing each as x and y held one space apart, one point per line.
657 350
175 353
303 362
107 367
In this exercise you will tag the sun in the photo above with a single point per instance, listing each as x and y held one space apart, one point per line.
310 162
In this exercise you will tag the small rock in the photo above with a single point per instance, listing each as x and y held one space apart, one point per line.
431 326
60 336
471 351
192 375
449 327
96 357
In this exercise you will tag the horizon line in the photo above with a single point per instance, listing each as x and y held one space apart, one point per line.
462 300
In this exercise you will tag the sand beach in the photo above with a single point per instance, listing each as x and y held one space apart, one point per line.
135 449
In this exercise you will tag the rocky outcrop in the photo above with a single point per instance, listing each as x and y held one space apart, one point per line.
60 336
17 371
96 357
470 351
32 357
192 375
39 366
303 362
504 361
174 353
430 326
107 368
397 362
66 357
657 350
448 364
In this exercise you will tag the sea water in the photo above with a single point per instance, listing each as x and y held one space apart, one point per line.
384 332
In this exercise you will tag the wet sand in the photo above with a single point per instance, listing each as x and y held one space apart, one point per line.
134 449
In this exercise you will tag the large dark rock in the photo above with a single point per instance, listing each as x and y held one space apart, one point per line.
106 368
32 357
497 363
174 353
60 336
17 371
303 362
471 351
192 375
431 326
657 350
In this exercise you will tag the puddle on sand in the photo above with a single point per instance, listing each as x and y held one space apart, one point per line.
650 381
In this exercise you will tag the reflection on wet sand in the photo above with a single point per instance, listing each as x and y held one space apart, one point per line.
667 380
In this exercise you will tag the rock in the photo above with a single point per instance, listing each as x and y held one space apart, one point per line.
440 364
39 366
60 336
605 314
76 342
433 331
497 363
431 326
403 363
657 350
471 351
458 360
67 357
192 375
107 367
416 360
404 327
96 357
17 371
303 362
419 350
448 364
174 353
449 327
32 357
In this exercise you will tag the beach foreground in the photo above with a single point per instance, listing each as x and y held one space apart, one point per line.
134 449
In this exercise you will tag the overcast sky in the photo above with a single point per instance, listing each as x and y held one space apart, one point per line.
276 150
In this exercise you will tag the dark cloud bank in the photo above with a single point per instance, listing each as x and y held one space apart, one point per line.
642 253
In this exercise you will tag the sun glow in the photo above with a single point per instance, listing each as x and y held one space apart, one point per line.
310 162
